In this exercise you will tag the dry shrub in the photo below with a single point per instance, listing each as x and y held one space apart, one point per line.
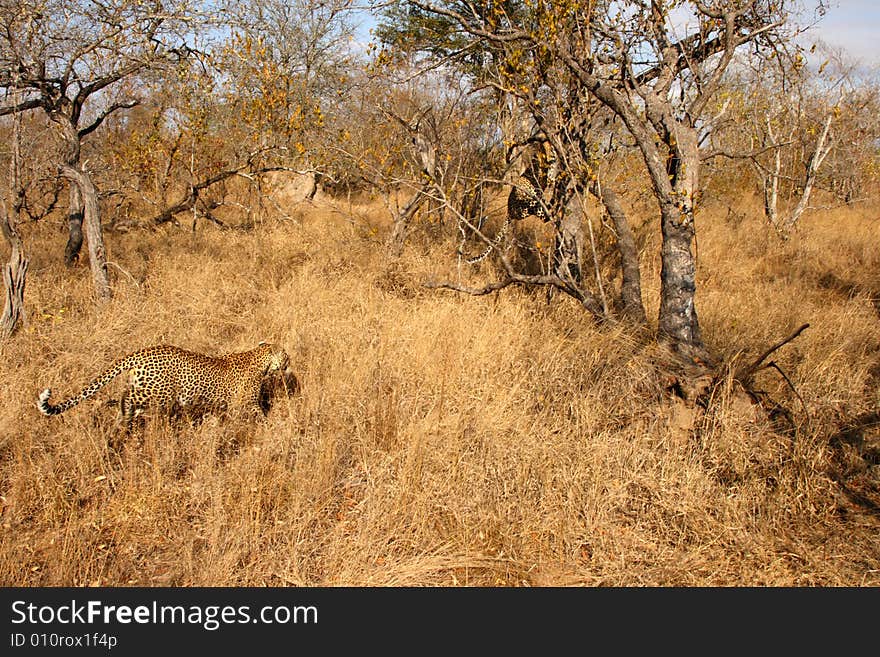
427 438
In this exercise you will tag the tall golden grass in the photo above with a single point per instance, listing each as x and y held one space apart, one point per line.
443 439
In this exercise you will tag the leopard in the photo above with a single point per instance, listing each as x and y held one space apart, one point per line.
525 199
173 380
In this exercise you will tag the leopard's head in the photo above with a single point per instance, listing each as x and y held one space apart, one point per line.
273 357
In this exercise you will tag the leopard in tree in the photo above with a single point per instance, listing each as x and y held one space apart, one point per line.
172 379
526 197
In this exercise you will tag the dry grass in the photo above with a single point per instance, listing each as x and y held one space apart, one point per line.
440 439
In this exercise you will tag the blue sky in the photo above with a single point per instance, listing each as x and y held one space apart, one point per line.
853 25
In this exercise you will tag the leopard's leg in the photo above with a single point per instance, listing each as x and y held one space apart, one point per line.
254 409
127 407
252 406
124 424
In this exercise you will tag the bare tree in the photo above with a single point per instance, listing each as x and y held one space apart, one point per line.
655 72
783 123
66 58
286 66
772 175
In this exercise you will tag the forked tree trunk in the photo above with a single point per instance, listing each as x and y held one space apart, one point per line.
427 156
823 147
94 234
772 177
675 182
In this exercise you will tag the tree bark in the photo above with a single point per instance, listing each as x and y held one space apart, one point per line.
568 245
678 321
14 278
427 157
71 160
401 222
15 271
94 234
74 227
632 306
675 181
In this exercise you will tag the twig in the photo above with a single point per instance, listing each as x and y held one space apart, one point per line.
790 385
474 291
746 373
132 278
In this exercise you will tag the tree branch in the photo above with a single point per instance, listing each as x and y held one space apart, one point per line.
512 278
23 106
101 83
190 198
128 104
746 373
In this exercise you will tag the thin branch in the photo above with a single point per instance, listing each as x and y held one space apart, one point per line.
24 105
192 195
721 152
474 291
102 83
128 104
790 385
746 373
513 278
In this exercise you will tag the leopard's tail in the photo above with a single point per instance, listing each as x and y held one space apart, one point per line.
499 237
117 368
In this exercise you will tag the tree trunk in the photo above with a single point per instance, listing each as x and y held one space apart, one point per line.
816 159
74 227
675 183
94 234
14 278
15 271
675 187
70 159
401 222
568 245
771 179
427 156
632 306
677 322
